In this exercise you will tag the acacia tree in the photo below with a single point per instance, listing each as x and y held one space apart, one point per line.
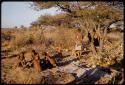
62 19
35 24
92 16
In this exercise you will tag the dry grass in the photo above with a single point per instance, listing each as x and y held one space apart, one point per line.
39 40
64 36
25 37
25 76
17 39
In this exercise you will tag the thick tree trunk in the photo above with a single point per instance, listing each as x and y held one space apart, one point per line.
104 36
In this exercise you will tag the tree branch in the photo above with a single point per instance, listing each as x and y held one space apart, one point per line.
113 22
64 8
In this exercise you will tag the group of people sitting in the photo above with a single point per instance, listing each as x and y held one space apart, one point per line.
32 59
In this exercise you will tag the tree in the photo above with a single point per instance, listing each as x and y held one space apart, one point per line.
22 26
62 19
35 24
92 16
15 27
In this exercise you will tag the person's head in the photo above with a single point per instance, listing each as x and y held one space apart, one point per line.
37 57
21 56
57 48
44 53
79 30
34 52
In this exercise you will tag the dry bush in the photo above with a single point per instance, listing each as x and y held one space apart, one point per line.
25 76
6 34
26 37
64 36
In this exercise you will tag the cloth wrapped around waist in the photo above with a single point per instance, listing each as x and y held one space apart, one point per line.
78 47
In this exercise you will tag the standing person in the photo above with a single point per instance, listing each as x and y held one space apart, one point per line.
79 45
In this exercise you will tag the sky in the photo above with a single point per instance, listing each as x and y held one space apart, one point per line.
20 13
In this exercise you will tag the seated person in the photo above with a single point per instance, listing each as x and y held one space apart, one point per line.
36 63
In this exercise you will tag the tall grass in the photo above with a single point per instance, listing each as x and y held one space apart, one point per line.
48 37
25 76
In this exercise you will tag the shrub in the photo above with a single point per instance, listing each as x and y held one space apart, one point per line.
28 37
25 76
6 35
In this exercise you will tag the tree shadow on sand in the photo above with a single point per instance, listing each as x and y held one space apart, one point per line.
67 62
92 75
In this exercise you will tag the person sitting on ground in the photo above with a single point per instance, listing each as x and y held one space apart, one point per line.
36 63
50 59
43 64
20 62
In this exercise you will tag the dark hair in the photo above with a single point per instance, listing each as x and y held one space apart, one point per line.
79 30
44 53
34 52
21 55
37 56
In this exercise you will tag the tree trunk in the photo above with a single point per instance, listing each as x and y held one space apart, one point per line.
92 44
102 39
101 45
105 33
93 48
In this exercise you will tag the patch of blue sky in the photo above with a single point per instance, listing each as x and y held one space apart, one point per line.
20 13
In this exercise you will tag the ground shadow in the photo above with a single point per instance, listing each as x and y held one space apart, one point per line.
66 56
85 52
67 62
118 65
91 76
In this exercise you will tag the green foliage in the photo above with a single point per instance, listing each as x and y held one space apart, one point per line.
46 19
62 19
108 14
103 14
